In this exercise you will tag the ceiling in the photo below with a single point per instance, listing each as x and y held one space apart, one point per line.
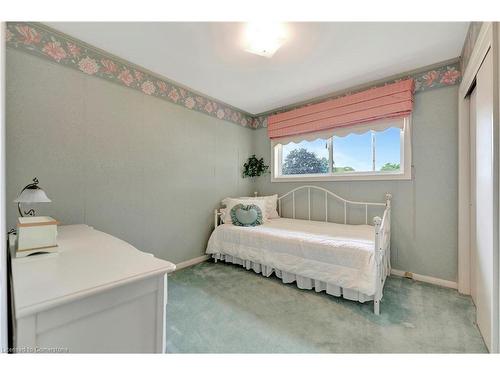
316 59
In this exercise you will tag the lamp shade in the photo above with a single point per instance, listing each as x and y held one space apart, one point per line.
32 195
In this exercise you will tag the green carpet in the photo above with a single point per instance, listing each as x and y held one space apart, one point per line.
222 308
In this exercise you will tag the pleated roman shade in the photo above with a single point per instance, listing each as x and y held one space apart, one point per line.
391 101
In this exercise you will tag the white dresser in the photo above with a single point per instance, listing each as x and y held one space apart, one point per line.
98 294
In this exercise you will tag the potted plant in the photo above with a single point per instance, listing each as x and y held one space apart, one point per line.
254 167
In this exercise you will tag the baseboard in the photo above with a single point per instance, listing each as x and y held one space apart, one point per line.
425 279
191 262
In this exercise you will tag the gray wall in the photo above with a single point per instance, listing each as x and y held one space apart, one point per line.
137 167
424 225
151 172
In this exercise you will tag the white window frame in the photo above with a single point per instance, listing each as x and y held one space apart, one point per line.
405 172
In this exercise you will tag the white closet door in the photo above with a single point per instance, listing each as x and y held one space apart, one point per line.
473 249
484 187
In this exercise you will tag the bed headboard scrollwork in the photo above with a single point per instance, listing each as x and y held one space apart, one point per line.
328 194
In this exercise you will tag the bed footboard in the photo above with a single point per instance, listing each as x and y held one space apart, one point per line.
382 251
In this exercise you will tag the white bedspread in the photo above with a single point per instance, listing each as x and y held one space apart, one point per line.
334 253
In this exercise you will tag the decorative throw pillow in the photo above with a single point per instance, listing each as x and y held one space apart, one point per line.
231 202
246 215
271 202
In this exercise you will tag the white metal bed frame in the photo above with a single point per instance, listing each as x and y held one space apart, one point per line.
382 231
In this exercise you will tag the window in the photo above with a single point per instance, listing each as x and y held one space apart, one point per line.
378 151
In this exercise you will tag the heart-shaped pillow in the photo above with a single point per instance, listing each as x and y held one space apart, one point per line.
246 215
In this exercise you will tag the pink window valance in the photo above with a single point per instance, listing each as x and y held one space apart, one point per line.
391 101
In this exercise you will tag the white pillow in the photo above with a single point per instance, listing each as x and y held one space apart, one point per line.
231 202
271 204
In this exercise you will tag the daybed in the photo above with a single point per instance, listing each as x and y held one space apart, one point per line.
344 259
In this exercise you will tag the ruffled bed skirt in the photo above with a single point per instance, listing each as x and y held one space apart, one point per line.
302 282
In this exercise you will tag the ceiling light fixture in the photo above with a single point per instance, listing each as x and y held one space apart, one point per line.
264 38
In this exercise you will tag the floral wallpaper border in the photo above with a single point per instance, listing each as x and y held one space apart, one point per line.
41 41
440 76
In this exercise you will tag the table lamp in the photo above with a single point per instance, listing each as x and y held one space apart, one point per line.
31 193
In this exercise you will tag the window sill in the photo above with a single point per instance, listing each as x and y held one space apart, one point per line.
344 177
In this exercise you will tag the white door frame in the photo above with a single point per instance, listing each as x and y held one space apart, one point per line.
487 39
3 228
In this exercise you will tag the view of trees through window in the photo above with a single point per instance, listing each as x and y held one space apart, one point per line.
367 152
301 161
